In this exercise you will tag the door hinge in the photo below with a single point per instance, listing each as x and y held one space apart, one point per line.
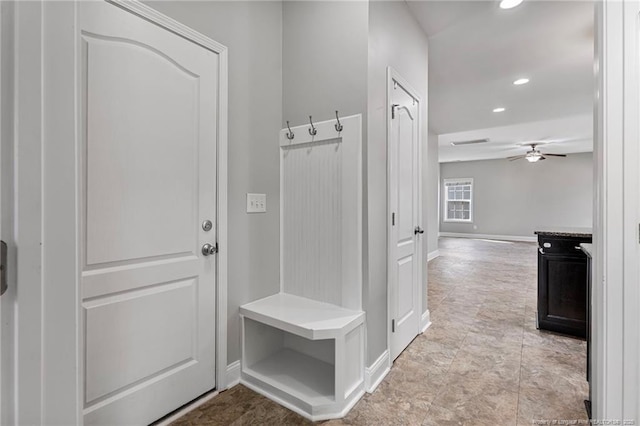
3 267
393 219
393 110
393 326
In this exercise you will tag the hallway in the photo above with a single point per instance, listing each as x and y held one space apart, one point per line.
482 362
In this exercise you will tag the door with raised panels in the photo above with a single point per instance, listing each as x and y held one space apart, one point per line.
404 205
147 158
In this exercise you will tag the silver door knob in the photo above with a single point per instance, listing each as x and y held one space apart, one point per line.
208 249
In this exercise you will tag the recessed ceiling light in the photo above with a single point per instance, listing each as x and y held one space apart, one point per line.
521 81
499 109
509 4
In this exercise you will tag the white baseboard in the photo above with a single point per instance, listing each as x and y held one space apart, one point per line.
233 374
425 321
374 374
517 238
433 255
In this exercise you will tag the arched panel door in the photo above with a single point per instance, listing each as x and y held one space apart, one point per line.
148 104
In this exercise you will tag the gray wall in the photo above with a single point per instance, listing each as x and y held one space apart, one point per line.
324 59
253 33
515 197
396 40
431 185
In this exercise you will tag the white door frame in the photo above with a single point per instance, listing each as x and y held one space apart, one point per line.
49 339
393 75
616 274
7 306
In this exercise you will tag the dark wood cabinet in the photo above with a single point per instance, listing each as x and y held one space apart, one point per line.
562 285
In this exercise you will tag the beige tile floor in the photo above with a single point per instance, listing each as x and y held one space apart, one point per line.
482 361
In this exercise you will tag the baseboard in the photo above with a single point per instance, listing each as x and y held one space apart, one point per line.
517 238
433 255
425 321
233 374
374 374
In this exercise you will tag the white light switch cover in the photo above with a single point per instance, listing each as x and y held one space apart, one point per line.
256 203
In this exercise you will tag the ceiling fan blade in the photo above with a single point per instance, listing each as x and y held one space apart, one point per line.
517 157
542 157
555 155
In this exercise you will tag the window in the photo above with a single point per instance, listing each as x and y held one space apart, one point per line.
458 205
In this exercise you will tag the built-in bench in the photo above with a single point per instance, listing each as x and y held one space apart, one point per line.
307 355
304 347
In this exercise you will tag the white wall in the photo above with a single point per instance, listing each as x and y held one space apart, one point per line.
431 190
252 31
396 40
516 198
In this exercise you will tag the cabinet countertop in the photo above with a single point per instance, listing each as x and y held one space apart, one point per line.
587 249
565 232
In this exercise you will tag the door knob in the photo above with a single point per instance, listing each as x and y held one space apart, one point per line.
208 249
418 230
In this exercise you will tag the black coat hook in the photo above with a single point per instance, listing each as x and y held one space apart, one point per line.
338 125
312 131
290 134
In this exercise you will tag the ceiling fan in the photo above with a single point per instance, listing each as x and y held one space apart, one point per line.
534 154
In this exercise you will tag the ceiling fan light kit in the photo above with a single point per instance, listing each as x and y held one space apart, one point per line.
534 155
509 4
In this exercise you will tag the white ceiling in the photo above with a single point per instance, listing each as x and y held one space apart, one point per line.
476 51
561 136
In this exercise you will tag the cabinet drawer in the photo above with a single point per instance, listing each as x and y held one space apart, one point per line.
561 245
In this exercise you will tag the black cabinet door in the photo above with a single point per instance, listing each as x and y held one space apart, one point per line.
562 293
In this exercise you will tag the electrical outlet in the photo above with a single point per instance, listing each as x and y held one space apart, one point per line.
256 203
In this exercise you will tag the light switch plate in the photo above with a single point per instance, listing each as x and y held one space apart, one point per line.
256 203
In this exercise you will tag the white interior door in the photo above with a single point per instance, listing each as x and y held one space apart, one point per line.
147 160
404 184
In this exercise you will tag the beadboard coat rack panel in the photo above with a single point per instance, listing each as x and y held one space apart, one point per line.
321 212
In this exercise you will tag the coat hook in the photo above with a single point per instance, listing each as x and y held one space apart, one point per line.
312 131
338 125
290 134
